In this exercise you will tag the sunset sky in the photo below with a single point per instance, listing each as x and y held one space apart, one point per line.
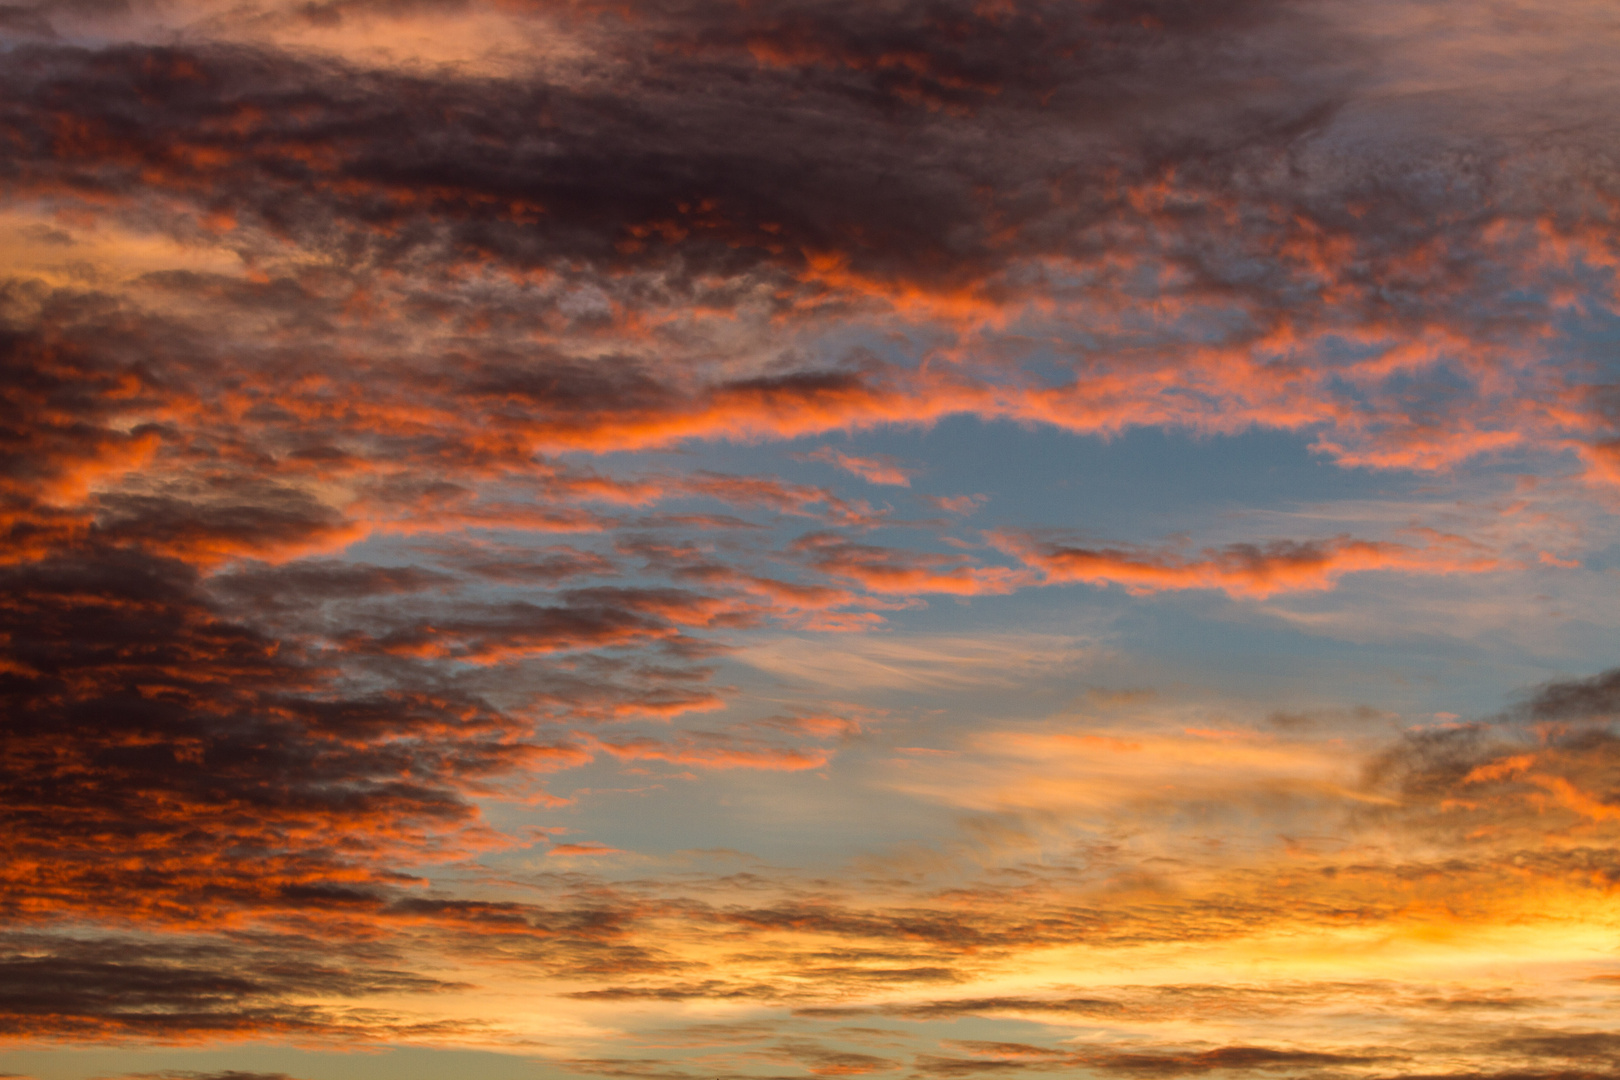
693 539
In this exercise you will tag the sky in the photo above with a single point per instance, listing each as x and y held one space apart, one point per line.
741 539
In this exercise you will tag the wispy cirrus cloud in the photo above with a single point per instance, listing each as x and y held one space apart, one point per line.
874 470
1252 571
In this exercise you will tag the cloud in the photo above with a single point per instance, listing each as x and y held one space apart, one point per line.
587 848
228 1074
88 989
951 1008
895 571
920 661
1578 1045
710 990
795 499
323 323
956 504
1526 775
238 771
215 106
1595 698
309 583
1244 571
519 565
588 619
207 124
1136 773
874 470
1126 1064
714 750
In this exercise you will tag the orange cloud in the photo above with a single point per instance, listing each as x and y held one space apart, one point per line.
956 504
711 751
894 571
874 470
586 848
1247 571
